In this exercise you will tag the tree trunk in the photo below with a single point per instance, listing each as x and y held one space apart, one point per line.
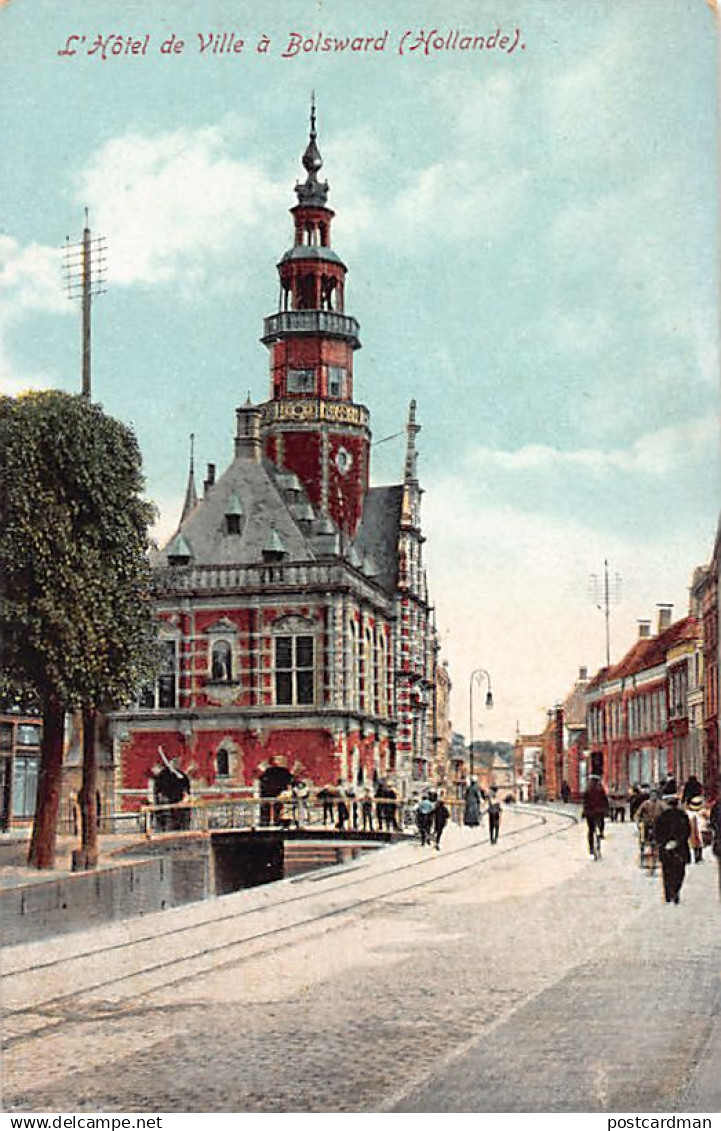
42 842
87 856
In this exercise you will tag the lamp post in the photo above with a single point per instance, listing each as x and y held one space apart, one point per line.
477 676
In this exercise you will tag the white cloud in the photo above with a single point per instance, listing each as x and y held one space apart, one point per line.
511 591
656 453
169 510
30 283
175 203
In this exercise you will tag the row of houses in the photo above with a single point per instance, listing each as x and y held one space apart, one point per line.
650 716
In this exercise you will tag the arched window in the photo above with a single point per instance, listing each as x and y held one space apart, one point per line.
222 763
221 663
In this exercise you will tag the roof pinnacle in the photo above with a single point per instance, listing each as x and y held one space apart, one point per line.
191 495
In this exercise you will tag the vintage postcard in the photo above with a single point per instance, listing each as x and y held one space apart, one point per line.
359 562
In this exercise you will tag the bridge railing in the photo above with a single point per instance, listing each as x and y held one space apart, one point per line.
380 815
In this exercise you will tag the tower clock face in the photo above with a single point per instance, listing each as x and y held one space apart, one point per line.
343 460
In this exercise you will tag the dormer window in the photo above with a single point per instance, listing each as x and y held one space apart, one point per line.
179 552
234 515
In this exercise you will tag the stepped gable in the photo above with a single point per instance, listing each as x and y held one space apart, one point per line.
378 533
250 487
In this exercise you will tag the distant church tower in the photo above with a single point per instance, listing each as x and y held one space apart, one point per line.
311 425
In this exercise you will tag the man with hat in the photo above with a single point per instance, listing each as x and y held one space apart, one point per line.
672 830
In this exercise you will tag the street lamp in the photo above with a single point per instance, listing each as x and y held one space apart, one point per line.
477 676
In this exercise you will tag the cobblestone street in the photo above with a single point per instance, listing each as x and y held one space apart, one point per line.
528 978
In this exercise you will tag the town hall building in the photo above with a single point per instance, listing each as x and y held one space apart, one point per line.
292 601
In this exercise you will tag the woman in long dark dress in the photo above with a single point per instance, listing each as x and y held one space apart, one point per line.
472 811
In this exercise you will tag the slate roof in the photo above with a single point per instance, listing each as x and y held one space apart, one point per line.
377 535
250 485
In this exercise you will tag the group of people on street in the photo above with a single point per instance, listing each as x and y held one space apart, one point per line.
343 806
674 826
432 816
473 809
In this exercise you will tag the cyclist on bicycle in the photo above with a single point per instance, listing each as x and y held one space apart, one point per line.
595 809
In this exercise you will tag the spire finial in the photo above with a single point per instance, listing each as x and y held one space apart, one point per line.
192 452
411 454
313 192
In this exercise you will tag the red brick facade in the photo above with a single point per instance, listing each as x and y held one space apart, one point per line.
292 602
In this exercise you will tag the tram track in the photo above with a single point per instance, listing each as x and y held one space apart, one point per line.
233 951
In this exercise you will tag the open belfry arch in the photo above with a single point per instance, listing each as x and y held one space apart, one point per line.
292 600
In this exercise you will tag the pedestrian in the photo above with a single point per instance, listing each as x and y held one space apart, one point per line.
646 815
352 802
691 789
326 796
693 810
441 815
380 804
367 811
392 807
494 816
472 806
342 807
672 831
424 818
566 793
668 786
595 809
635 799
172 788
714 821
301 812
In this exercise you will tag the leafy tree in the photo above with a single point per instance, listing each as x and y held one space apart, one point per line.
76 619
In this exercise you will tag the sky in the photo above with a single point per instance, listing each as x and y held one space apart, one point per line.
532 244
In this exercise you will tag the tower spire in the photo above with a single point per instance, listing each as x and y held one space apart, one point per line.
312 192
191 495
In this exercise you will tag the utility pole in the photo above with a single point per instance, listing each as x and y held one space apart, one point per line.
85 277
604 593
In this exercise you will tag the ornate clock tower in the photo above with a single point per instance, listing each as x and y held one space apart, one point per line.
311 425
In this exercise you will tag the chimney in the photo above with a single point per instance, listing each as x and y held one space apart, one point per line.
644 629
209 479
247 438
664 617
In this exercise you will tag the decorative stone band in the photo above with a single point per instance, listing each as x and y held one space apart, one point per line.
314 411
